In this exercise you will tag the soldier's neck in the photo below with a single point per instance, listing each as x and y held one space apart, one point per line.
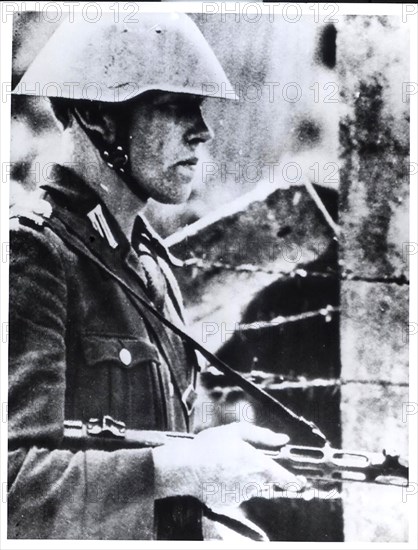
83 158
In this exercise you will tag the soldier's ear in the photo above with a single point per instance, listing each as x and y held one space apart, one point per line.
96 121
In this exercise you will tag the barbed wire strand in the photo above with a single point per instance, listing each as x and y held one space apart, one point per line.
325 312
202 264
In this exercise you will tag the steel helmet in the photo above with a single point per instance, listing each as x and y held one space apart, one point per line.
114 62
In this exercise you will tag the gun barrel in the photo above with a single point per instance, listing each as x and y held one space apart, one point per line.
328 464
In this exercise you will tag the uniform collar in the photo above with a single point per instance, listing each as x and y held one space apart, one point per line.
71 192
143 232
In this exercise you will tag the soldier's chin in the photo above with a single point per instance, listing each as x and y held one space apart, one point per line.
177 194
184 195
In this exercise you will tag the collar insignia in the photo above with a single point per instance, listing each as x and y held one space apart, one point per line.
100 224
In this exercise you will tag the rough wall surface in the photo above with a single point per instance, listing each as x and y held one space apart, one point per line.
374 148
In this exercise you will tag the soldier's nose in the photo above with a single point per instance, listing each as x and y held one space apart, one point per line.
201 132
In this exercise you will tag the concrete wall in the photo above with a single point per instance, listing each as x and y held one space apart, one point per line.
374 148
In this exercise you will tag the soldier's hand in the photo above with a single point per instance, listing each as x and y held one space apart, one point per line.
222 467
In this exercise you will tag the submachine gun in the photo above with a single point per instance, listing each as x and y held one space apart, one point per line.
323 464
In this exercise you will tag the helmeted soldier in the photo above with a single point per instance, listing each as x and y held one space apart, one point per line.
81 346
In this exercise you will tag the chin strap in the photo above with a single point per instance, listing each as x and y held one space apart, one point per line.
116 157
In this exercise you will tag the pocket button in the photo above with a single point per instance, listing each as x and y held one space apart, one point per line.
125 356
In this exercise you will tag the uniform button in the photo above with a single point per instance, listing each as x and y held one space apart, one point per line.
125 356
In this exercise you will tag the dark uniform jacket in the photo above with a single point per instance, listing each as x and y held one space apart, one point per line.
81 347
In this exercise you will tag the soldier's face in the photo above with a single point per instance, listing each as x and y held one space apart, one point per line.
166 134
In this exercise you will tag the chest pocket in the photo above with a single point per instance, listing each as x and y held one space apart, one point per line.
126 353
121 377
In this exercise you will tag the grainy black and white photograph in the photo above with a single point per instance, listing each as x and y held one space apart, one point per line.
208 250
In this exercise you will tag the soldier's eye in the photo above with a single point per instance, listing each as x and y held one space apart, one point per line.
178 106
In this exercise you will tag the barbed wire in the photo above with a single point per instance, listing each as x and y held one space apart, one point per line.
278 382
302 383
325 312
202 264
340 274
